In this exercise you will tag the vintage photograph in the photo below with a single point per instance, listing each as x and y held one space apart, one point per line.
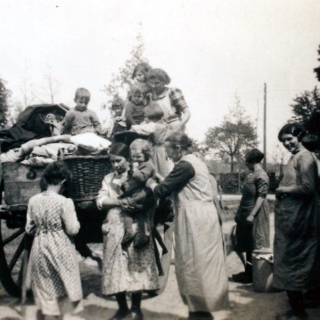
160 160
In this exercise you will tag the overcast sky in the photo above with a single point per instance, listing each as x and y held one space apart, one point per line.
211 49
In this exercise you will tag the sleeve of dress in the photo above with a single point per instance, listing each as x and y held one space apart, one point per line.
128 115
306 167
176 180
144 128
95 122
177 99
68 122
104 192
30 224
262 186
69 218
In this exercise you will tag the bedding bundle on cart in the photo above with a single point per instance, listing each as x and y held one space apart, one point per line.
35 140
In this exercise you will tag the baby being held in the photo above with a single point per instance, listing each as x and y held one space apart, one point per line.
142 169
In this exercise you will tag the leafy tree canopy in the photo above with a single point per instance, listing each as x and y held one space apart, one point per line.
234 136
121 81
317 70
306 109
4 95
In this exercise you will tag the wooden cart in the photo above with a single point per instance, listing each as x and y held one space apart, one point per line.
19 183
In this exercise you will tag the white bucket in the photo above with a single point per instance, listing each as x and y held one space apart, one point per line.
262 268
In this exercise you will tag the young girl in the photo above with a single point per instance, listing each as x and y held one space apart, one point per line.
119 124
140 72
156 130
135 105
142 170
54 268
135 270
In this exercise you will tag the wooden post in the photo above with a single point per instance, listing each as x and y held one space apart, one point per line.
265 128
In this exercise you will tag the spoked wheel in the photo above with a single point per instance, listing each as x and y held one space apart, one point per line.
12 244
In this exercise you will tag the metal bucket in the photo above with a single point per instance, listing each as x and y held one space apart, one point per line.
262 268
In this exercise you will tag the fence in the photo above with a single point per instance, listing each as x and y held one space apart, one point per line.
229 182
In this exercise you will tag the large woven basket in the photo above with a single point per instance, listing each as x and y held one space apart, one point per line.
87 175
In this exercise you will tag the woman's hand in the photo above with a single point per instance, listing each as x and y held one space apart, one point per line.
281 192
250 218
151 183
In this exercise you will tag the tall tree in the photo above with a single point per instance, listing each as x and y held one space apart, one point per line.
121 81
317 70
306 109
4 107
234 136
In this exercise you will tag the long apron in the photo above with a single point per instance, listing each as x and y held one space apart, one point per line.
296 245
170 116
200 258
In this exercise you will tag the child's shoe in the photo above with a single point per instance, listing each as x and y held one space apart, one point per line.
140 240
128 236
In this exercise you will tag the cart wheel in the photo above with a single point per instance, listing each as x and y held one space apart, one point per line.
12 243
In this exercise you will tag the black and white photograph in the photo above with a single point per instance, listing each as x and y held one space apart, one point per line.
160 160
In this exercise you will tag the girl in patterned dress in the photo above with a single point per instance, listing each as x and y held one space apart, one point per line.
52 219
134 269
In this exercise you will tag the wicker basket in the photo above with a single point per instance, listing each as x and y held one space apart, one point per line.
87 175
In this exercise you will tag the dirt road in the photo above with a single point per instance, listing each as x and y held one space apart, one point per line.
245 304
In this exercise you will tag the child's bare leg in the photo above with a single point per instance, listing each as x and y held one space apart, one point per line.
159 239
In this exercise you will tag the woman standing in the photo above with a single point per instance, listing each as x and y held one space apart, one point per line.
296 245
171 100
253 223
200 260
131 269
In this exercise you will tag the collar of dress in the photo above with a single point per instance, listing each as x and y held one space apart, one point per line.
162 95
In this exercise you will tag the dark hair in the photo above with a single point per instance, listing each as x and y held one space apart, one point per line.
296 129
179 138
120 149
117 101
254 156
311 142
142 67
82 92
54 173
153 111
160 75
143 145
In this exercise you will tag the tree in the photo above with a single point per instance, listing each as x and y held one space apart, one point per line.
306 109
121 82
317 70
50 88
234 136
4 107
26 88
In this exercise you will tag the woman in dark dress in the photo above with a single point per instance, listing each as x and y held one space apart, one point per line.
296 245
253 224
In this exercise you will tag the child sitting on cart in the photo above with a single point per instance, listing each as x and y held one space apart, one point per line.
80 119
142 169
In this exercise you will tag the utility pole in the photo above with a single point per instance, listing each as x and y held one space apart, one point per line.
265 128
